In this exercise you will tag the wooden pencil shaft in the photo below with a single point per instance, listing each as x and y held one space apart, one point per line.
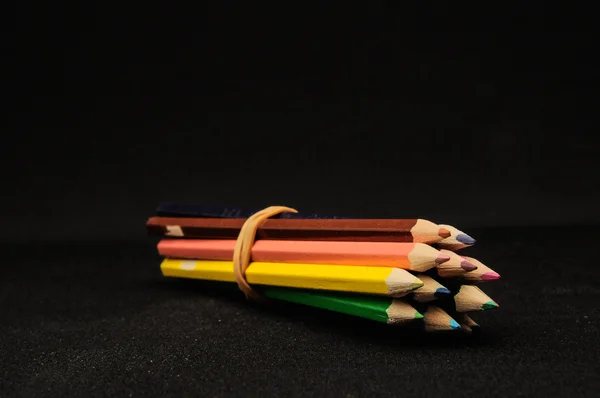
414 256
455 266
463 298
471 298
374 230
457 239
430 291
371 280
482 274
437 320
467 323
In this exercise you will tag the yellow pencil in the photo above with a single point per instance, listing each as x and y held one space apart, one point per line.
373 280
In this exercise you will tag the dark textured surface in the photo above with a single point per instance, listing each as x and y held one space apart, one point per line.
91 319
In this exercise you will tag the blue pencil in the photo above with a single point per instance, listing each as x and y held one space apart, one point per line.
169 209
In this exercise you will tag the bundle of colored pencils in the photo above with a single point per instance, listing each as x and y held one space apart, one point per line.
395 271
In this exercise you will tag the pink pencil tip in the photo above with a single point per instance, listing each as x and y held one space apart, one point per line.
467 266
490 276
442 258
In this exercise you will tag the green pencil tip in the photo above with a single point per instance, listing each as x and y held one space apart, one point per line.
418 315
490 305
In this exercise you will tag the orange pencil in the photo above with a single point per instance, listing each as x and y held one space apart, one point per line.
407 255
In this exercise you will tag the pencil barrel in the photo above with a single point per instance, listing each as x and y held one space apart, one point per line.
360 230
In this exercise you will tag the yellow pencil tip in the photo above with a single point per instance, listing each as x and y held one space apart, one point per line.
417 284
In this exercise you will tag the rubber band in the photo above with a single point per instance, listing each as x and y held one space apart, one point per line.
244 243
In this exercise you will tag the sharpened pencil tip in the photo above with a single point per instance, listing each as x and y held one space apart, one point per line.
418 315
489 305
454 325
442 291
467 266
442 258
444 233
490 276
465 239
417 284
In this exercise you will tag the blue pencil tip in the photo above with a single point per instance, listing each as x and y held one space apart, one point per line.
442 290
465 239
454 325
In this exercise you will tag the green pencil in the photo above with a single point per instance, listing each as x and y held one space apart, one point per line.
471 298
379 309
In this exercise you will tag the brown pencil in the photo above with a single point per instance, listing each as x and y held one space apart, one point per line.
366 230
457 239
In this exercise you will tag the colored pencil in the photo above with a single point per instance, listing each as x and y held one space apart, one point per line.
467 324
218 211
430 290
365 230
349 265
455 266
482 274
438 320
373 280
457 240
412 256
379 309
470 298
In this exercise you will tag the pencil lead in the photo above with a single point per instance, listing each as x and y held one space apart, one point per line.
489 305
418 315
465 239
444 232
454 325
417 284
490 276
467 266
441 291
442 258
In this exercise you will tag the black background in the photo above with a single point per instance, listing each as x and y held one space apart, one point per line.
477 119
480 118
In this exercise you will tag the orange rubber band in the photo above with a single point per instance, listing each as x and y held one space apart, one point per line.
244 243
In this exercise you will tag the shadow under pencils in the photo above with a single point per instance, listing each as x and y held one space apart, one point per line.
324 321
